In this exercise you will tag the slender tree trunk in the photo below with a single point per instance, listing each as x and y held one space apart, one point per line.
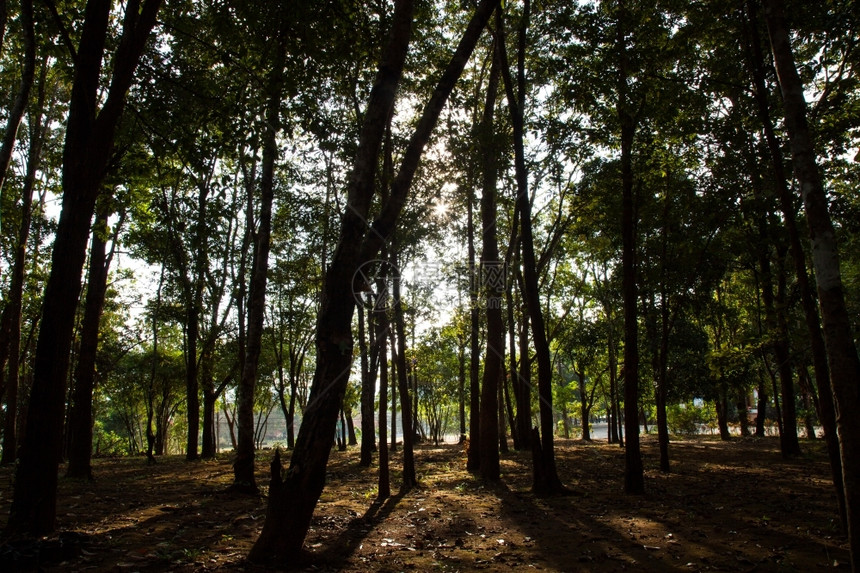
583 411
612 430
368 393
634 479
662 390
806 397
86 154
841 351
292 499
383 488
81 407
28 74
461 386
409 478
352 440
393 447
789 441
210 398
473 462
743 415
12 322
827 413
492 285
512 350
524 381
722 404
243 466
192 398
761 409
550 482
503 425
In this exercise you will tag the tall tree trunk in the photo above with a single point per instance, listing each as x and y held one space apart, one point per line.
383 488
550 482
612 421
368 393
841 351
292 499
827 413
661 391
210 399
81 407
492 285
12 322
743 413
788 439
243 465
473 461
393 447
291 503
86 153
409 478
512 352
761 409
192 398
19 106
722 404
461 386
634 478
584 408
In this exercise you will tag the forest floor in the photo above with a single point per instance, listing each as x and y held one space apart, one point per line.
726 506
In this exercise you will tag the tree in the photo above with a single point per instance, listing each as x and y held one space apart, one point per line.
410 480
292 498
80 409
492 286
243 466
841 352
89 136
827 413
28 74
41 115
546 478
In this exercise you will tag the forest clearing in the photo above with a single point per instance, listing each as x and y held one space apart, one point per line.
231 225
726 506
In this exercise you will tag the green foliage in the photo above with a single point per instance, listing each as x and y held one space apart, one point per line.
108 443
688 419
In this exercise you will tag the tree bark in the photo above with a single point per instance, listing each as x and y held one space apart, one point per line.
87 150
841 351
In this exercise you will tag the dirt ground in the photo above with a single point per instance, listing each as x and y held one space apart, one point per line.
735 506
